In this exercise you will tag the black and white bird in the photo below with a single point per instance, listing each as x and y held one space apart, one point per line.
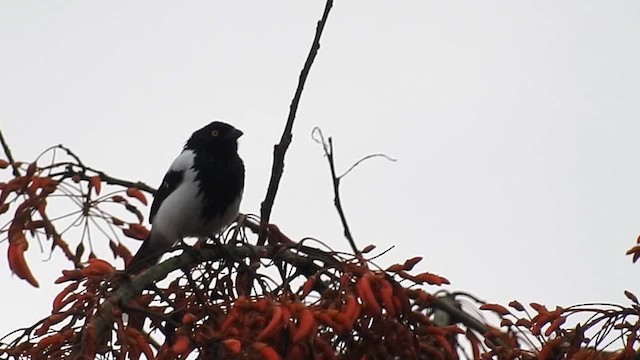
199 196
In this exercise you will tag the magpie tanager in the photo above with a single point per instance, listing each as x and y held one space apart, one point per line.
199 195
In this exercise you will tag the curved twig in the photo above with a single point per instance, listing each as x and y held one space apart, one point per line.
370 156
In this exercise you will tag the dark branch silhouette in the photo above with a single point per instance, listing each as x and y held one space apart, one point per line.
304 259
328 151
7 151
280 149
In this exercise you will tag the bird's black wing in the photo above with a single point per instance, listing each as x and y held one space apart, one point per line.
170 183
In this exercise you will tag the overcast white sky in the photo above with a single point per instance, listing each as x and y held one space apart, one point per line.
515 124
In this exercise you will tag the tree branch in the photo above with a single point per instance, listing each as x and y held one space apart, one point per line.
328 151
10 158
128 290
280 149
337 202
69 172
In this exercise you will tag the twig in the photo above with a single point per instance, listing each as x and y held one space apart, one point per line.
7 151
70 172
328 151
338 203
194 286
73 155
370 156
280 149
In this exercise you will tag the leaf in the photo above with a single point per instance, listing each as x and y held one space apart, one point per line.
631 296
409 264
139 229
395 268
113 246
136 193
136 231
79 252
188 319
506 322
233 346
31 169
405 275
499 309
475 344
13 185
538 307
635 251
58 301
3 164
555 325
181 345
17 246
97 267
431 279
368 249
516 305
307 286
119 199
69 275
96 183
306 323
135 211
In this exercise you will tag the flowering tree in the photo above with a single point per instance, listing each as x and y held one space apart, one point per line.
253 292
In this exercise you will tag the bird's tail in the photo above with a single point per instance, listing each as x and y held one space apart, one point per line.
146 257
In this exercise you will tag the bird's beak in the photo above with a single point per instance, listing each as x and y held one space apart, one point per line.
237 133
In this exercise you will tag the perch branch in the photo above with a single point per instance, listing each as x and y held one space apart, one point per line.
131 289
280 149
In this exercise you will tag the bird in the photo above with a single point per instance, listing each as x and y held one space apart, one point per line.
199 196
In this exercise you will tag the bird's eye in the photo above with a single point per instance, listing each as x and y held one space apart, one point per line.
214 133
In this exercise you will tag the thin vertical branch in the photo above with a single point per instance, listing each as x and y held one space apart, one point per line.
280 149
336 199
317 135
7 151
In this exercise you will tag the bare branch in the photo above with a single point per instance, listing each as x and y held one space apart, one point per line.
7 151
305 265
70 172
328 151
108 179
280 149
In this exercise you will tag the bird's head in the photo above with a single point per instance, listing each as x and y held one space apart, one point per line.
216 135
